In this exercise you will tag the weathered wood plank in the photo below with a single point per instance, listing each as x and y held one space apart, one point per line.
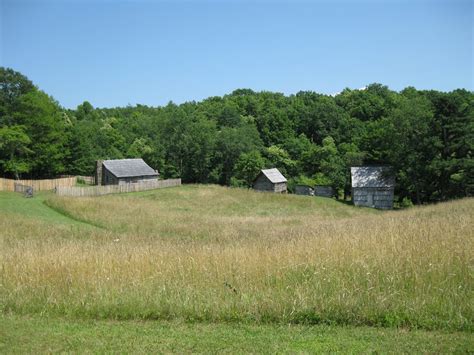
111 189
38 185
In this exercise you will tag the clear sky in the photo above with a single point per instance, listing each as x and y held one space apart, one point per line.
115 53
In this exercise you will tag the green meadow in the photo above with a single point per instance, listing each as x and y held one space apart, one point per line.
206 268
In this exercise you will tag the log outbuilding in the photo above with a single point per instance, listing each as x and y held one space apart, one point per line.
304 190
124 171
270 180
373 186
323 191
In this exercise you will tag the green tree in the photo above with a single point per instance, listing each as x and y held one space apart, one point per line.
12 86
351 156
14 144
454 125
139 149
318 116
368 104
231 143
279 158
331 164
248 166
45 125
189 142
406 143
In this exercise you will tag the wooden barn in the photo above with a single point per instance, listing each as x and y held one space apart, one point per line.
373 186
304 190
124 171
270 180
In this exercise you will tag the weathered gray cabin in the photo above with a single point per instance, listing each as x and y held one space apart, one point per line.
373 186
270 180
323 191
304 190
124 171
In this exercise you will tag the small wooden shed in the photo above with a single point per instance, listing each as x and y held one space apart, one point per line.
323 191
304 190
373 186
124 171
270 180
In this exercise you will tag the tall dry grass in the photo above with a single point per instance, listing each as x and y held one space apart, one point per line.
216 254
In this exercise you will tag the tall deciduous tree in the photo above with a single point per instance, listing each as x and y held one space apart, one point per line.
248 166
14 144
45 126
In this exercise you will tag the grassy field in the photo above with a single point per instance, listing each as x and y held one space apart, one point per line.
239 262
53 335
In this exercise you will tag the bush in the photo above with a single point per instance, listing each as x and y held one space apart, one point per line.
234 182
406 203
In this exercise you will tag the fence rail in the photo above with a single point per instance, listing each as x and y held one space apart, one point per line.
38 185
113 189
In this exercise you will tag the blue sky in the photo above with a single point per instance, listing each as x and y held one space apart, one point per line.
114 53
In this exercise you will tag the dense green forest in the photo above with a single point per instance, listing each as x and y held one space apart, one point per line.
426 136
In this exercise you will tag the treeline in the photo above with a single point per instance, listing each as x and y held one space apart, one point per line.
427 136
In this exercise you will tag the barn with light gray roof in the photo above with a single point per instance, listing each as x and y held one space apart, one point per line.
124 171
270 180
373 186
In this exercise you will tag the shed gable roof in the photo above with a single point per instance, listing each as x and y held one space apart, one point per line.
129 168
273 175
372 176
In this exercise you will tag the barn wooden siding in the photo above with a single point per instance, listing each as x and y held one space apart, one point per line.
304 190
323 191
263 184
111 179
377 197
270 180
113 189
137 180
108 178
37 185
373 186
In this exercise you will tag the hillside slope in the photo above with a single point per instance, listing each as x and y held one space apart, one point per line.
209 253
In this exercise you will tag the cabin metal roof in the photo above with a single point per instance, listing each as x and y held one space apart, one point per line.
273 175
372 176
129 168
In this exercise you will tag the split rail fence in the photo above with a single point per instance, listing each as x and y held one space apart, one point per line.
113 189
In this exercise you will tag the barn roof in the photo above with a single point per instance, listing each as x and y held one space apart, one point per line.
372 176
273 175
129 167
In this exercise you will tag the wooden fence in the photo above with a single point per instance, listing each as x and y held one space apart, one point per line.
90 180
113 189
26 190
21 188
37 185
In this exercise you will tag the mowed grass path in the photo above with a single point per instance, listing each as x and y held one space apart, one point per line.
53 335
214 259
34 209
